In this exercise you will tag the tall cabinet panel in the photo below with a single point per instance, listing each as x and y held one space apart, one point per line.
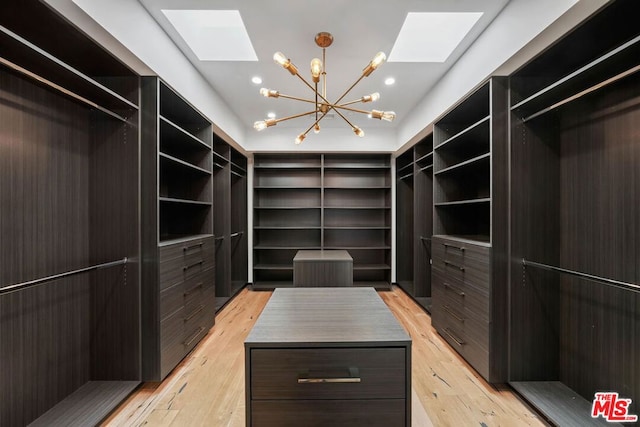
576 221
178 298
414 220
469 246
315 201
230 220
69 271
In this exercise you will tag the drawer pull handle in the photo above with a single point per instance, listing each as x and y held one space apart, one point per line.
353 377
459 267
453 314
453 337
197 245
190 291
194 313
451 288
193 337
448 245
186 267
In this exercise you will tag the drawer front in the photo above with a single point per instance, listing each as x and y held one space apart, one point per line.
171 300
183 261
328 373
463 338
467 298
296 413
195 287
463 261
171 346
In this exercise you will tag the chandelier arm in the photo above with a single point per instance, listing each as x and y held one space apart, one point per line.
357 110
355 101
295 98
311 87
349 90
295 116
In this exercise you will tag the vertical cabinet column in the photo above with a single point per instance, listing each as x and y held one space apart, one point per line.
230 220
469 246
178 295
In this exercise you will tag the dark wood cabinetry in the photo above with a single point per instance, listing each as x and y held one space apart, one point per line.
178 297
331 201
230 220
575 156
69 331
414 221
469 246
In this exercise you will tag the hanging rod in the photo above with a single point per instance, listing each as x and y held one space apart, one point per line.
603 280
31 283
583 93
59 88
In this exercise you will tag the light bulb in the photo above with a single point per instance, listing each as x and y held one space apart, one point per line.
260 125
358 131
269 93
378 59
281 59
299 139
316 128
388 116
316 69
375 63
371 98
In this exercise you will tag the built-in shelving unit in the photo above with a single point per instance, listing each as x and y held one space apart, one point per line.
230 220
574 161
69 281
178 298
326 201
470 237
414 220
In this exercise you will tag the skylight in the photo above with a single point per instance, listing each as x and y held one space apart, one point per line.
213 35
431 36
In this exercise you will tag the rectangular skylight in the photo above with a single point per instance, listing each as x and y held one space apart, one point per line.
213 35
431 36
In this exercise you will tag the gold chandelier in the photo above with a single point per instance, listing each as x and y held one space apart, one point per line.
321 104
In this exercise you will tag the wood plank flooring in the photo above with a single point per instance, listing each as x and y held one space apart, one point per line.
207 388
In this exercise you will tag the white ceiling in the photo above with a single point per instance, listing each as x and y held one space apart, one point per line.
360 29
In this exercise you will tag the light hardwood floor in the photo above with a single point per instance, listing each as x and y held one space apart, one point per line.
207 388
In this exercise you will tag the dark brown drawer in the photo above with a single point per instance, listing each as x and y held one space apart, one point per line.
171 300
191 249
328 373
178 270
171 346
465 297
329 413
194 337
466 262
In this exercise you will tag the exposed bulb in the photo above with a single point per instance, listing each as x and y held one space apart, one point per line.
378 59
316 69
316 128
358 131
269 93
388 116
281 59
371 98
260 125
299 139
375 63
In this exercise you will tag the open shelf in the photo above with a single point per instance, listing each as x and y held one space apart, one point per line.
174 161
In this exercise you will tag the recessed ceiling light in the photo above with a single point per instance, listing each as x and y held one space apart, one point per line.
213 35
389 81
256 80
431 36
271 115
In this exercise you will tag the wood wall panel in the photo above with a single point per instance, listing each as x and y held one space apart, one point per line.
44 229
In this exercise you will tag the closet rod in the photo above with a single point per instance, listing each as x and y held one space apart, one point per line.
603 280
583 93
31 283
59 88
